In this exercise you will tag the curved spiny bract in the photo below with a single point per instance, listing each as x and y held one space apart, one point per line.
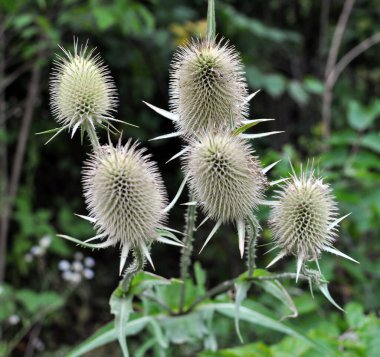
125 194
225 176
208 87
82 91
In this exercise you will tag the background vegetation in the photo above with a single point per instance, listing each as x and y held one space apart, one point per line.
316 63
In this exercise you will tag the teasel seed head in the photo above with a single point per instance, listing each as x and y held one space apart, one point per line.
226 178
82 91
207 87
304 219
125 195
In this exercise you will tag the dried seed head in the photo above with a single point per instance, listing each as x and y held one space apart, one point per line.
207 87
226 178
82 92
301 217
125 194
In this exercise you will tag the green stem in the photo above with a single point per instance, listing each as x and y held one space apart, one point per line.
187 250
228 284
211 23
136 266
252 229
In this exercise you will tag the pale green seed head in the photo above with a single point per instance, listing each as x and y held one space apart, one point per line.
301 216
207 87
82 92
225 176
124 193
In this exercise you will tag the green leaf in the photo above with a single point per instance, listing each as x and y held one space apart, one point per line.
371 141
361 117
274 84
35 302
313 85
157 332
298 93
107 334
249 124
121 307
276 289
200 278
241 293
257 318
355 315
145 280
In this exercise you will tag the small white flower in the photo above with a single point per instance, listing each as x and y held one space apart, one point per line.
14 319
89 262
78 256
88 274
37 251
28 257
77 266
64 265
45 242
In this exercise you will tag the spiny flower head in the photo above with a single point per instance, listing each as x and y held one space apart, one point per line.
82 92
304 219
208 87
125 195
226 178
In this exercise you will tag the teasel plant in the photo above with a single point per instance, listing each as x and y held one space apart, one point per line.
128 207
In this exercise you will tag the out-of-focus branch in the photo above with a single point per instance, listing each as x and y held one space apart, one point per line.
32 95
331 62
350 56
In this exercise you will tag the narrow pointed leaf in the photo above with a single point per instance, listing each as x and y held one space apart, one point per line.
178 154
276 259
163 112
203 222
250 97
325 291
50 131
99 236
147 255
193 203
57 133
175 199
299 266
241 233
167 136
217 225
87 218
105 244
241 293
338 252
273 183
247 124
337 221
124 256
260 135
169 241
269 167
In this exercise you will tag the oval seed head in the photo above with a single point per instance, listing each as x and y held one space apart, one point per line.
227 180
302 215
82 92
207 87
125 194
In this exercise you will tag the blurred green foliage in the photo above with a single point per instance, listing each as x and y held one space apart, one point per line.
284 47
